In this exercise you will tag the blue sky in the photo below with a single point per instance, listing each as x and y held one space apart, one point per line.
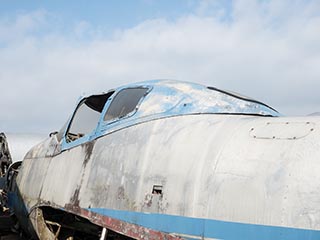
110 15
99 12
53 51
124 13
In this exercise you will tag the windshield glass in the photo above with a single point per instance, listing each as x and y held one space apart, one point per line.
86 116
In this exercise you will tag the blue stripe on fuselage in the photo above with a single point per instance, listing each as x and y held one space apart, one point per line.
208 228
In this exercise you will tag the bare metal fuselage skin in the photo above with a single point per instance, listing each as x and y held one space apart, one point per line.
169 173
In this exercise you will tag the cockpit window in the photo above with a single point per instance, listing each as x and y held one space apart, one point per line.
87 116
241 97
124 103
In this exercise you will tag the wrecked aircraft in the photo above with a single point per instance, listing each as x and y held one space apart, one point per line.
172 160
5 156
13 147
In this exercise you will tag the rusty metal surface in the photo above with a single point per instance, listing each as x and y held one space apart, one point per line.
130 230
228 180
217 167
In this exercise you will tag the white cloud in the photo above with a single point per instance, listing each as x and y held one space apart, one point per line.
268 50
13 30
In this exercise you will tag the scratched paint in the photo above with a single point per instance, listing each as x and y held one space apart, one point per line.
169 98
209 164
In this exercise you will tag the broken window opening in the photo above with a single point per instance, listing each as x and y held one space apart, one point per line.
86 116
124 103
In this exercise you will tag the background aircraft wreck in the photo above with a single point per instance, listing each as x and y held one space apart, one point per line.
171 160
13 148
5 156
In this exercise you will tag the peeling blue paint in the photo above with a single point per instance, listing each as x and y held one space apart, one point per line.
208 228
168 98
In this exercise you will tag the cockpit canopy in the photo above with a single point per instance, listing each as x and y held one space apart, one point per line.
152 100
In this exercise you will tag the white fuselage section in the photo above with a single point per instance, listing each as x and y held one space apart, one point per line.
258 170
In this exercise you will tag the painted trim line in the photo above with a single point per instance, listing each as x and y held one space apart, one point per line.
196 228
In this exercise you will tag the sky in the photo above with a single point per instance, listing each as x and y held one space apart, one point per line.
51 52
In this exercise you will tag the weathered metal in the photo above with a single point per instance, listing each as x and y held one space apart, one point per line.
188 162
5 156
